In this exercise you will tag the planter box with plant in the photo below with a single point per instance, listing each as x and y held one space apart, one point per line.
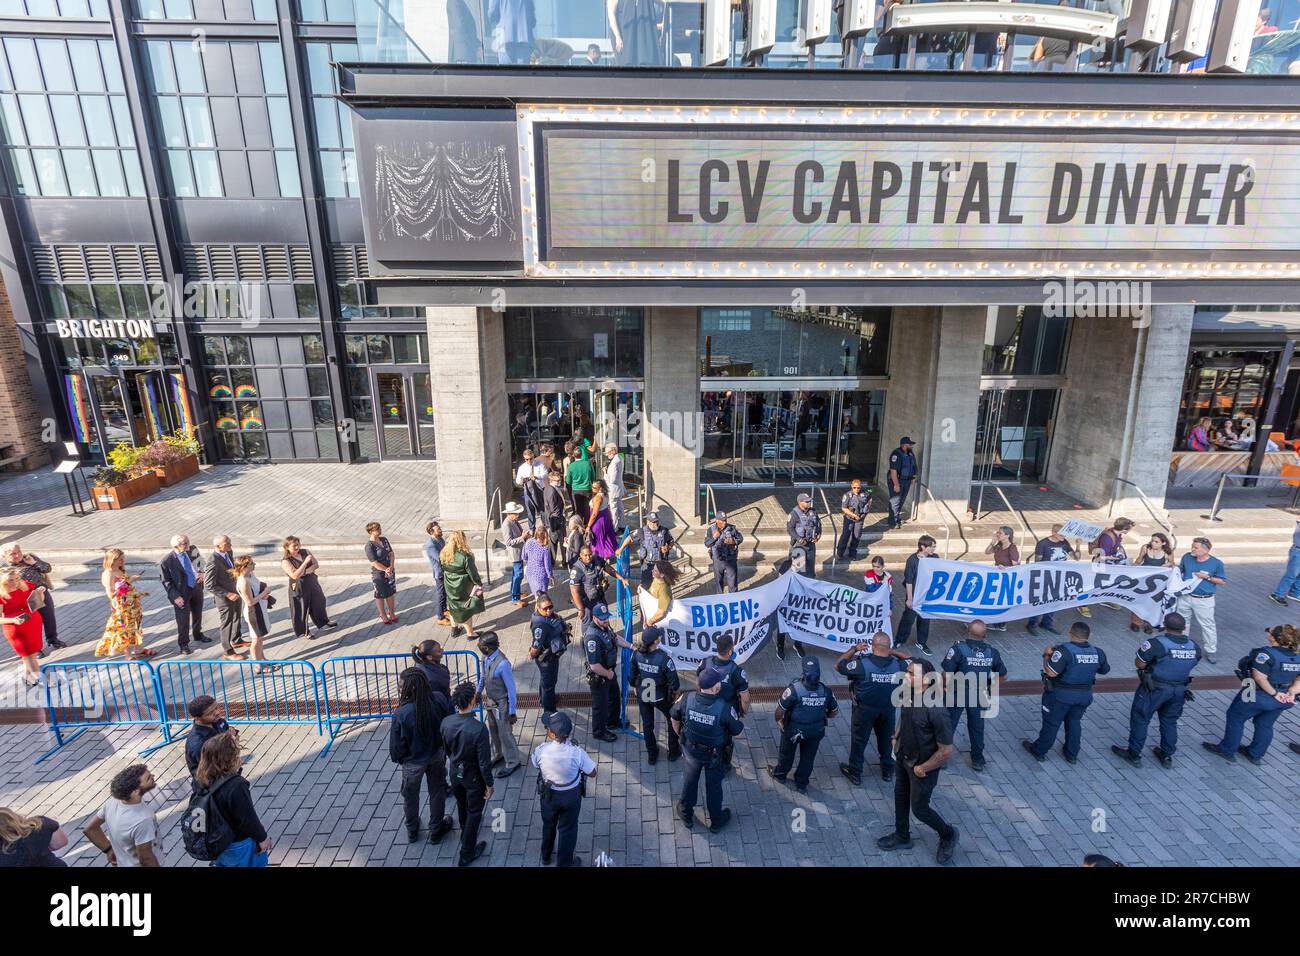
114 489
171 459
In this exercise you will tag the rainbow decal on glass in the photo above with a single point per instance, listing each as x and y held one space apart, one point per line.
227 423
77 406
245 391
182 400
149 395
220 390
251 423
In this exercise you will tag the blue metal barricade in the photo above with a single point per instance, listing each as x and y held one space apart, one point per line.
625 598
365 687
99 694
253 692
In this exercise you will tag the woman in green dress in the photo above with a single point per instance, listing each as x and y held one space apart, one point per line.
463 585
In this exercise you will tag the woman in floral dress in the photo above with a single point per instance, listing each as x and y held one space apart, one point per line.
122 633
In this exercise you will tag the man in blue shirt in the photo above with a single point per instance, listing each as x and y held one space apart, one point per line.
1198 604
496 687
433 551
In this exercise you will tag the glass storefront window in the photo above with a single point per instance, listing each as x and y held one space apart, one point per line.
574 343
1021 340
794 343
1220 385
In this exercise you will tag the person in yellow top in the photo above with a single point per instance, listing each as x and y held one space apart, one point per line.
663 578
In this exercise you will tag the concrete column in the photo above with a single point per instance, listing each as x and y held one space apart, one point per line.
935 359
671 435
1119 409
471 416
20 416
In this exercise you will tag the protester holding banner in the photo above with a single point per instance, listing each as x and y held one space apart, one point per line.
1005 555
1156 553
1109 546
873 671
653 678
802 712
1055 547
662 579
876 577
1069 671
968 668
922 744
924 549
1198 605
707 724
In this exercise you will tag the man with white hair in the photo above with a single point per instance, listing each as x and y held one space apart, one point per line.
614 482
182 577
221 582
36 573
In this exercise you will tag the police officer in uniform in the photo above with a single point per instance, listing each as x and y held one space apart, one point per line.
734 687
804 526
972 655
550 640
602 646
902 470
1069 671
653 678
469 758
707 724
652 543
1165 664
802 712
1275 677
873 672
854 506
561 768
588 577
722 540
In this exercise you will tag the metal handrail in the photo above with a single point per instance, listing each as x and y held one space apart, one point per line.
940 508
1166 522
1214 509
495 501
1024 525
710 503
834 533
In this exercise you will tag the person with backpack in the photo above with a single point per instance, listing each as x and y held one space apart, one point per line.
415 744
221 824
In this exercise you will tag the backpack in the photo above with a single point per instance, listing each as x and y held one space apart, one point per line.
204 830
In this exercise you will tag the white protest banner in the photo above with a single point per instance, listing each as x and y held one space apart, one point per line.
833 616
962 591
693 625
1074 528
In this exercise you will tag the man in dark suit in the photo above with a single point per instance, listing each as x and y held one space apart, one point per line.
182 578
221 582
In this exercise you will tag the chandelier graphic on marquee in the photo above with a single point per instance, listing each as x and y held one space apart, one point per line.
445 191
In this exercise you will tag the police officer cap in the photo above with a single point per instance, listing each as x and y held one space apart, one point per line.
489 642
804 498
811 667
906 441
560 724
720 515
651 633
652 517
709 678
600 611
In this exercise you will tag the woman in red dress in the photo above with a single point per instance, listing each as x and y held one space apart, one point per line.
21 624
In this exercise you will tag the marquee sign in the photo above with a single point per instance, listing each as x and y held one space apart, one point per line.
758 192
804 193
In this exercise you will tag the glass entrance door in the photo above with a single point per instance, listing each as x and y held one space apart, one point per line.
403 413
1013 434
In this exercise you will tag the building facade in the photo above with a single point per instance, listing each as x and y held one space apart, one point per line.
216 217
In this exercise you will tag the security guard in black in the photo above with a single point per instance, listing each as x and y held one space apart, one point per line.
550 639
653 678
802 712
873 673
707 723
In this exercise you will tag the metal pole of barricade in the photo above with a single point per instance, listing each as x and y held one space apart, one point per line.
626 610
1214 508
